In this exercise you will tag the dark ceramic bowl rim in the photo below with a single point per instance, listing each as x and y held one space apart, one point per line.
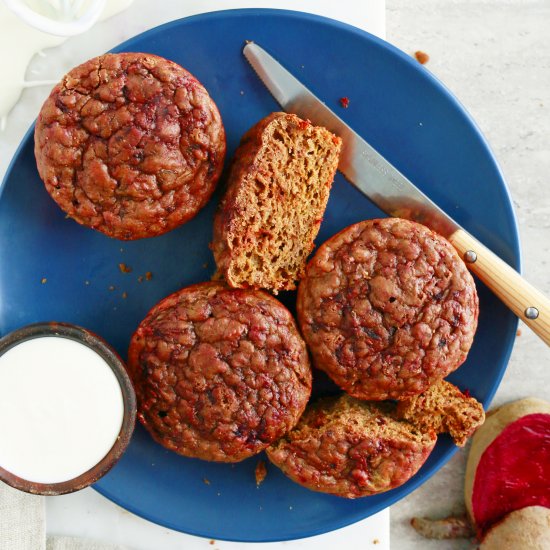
104 350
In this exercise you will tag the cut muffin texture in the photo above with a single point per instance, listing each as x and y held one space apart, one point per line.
351 448
444 409
276 196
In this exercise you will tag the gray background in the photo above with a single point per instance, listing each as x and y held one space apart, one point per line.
495 57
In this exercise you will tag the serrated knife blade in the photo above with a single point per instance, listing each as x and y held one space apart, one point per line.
396 195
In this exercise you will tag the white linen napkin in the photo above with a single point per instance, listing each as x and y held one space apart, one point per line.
22 520
23 525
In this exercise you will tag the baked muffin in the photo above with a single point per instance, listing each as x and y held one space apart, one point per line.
130 144
387 308
351 448
219 373
276 196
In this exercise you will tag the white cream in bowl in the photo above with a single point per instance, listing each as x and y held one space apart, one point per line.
61 409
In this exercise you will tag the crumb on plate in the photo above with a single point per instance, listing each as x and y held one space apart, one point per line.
260 472
344 101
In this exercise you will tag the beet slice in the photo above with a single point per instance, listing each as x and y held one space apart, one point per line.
514 471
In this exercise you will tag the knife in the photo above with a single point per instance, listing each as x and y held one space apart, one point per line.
396 195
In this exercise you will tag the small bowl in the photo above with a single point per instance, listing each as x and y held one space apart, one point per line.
68 21
104 350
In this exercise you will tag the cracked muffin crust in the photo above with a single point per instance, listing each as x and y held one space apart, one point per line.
219 373
351 448
387 308
130 144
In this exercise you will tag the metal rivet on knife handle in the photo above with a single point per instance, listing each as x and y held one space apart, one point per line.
470 256
531 312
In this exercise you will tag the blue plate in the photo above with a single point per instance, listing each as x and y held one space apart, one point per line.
51 268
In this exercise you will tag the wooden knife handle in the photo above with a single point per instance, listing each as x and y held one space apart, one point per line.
529 304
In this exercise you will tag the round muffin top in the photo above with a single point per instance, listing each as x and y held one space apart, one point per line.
219 373
387 308
130 144
351 448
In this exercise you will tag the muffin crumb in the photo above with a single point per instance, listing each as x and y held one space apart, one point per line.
422 57
344 101
260 472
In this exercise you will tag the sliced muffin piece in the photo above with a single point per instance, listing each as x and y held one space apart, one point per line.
444 409
276 196
351 448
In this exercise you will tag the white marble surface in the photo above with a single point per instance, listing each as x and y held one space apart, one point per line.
495 56
145 14
87 514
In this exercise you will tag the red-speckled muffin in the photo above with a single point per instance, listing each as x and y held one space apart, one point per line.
219 373
351 448
130 144
387 309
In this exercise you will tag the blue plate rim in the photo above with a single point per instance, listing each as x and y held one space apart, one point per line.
423 476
